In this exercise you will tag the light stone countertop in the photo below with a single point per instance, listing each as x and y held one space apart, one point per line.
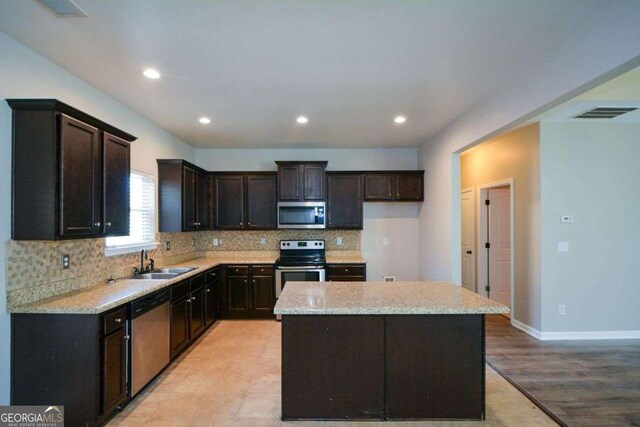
382 298
102 297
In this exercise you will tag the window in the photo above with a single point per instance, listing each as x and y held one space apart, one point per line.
142 218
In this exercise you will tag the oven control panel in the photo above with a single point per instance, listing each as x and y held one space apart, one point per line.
301 244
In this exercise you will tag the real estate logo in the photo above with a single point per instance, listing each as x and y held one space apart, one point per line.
31 416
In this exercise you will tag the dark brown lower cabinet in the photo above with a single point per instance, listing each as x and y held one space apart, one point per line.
115 369
346 272
196 306
212 301
249 291
179 325
394 367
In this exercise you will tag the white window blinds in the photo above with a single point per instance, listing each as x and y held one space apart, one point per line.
142 216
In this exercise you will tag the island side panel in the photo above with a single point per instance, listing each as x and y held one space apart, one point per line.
332 367
435 367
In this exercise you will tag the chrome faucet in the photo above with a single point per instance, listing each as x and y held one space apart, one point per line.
144 254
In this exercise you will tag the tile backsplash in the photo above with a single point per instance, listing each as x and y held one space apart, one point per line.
34 271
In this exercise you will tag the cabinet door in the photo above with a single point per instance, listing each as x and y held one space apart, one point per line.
409 187
114 370
202 217
179 325
313 182
262 294
289 183
80 179
344 201
197 311
261 202
230 202
212 304
115 185
378 187
238 294
211 202
189 188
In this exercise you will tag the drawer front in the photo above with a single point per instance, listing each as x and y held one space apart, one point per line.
345 270
211 275
180 290
114 321
261 270
197 281
237 270
347 279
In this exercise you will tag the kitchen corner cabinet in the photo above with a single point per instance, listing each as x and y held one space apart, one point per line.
394 186
183 203
70 173
249 291
187 312
245 201
88 374
344 201
301 181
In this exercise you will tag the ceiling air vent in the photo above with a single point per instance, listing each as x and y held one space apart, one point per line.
605 112
63 8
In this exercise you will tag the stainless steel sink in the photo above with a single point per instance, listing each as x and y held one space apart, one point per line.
176 270
163 273
154 276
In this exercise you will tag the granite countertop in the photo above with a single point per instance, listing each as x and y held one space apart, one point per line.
382 298
102 297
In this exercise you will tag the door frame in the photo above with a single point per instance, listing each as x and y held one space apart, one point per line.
481 259
474 243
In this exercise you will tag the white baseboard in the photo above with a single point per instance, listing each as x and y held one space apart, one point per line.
576 335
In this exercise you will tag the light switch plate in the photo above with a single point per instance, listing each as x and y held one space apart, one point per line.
563 246
263 241
385 241
338 241
215 241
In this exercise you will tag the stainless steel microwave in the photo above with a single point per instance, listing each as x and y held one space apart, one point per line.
301 215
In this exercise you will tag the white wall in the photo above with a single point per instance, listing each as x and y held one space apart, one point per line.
25 74
591 171
396 221
591 56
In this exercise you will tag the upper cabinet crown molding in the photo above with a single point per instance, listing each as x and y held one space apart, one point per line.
67 165
59 106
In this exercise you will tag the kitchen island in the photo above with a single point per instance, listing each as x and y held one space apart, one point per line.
383 350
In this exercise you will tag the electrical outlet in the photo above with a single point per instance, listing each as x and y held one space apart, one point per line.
65 261
563 246
167 245
385 241
562 309
193 242
389 278
339 241
215 241
263 240
566 219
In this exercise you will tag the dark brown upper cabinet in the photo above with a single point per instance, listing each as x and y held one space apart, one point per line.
116 178
182 196
394 186
301 181
70 173
245 201
229 202
344 201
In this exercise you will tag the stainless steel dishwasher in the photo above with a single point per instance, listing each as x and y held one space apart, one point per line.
150 338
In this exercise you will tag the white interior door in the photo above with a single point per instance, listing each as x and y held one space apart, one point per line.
468 237
499 229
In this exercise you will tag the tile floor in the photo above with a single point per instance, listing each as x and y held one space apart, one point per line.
231 377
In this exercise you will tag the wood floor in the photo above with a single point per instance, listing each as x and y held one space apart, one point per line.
582 383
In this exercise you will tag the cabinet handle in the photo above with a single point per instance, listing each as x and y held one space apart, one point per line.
208 291
241 223
189 300
389 194
245 281
118 320
248 223
193 298
97 224
126 337
346 269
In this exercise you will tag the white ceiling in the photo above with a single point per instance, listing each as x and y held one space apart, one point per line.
254 66
621 91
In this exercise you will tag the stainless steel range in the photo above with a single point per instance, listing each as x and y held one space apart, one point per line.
300 261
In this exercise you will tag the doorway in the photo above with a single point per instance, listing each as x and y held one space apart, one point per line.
495 242
467 206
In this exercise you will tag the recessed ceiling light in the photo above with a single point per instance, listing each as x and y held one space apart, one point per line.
302 120
204 120
151 73
400 119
